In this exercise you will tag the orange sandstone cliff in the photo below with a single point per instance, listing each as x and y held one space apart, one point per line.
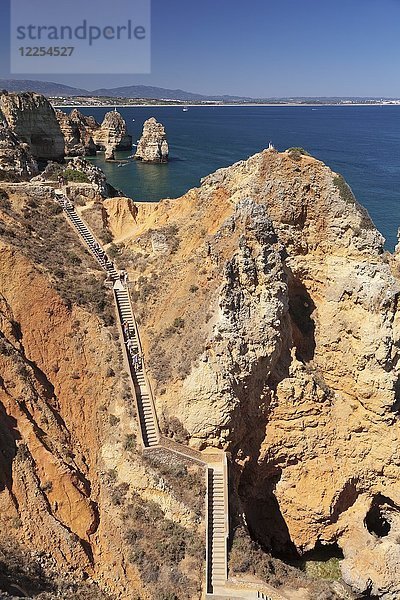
269 314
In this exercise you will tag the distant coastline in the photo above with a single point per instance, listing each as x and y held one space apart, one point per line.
218 105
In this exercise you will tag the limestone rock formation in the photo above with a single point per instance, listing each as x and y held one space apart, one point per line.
33 120
153 145
78 131
15 157
93 173
271 327
121 214
112 135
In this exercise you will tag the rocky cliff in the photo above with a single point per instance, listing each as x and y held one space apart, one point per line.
112 135
268 310
15 156
153 145
269 313
78 131
33 120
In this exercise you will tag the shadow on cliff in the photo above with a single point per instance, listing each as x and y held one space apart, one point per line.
301 307
254 500
9 435
252 488
264 519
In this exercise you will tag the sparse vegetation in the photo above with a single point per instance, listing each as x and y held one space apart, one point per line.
173 428
37 228
158 546
344 189
112 251
186 483
9 176
347 195
247 557
96 218
119 494
114 420
72 175
130 442
296 152
176 327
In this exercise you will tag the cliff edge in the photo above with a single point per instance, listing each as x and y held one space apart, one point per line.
269 312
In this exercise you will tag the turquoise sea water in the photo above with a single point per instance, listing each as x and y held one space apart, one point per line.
361 142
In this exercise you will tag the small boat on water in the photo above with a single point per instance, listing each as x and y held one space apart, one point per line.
185 109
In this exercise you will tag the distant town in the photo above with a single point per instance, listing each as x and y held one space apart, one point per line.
101 101
140 95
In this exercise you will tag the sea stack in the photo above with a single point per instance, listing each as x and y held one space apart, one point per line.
153 145
112 135
78 131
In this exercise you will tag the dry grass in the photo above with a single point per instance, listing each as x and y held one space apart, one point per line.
187 483
247 557
158 546
38 229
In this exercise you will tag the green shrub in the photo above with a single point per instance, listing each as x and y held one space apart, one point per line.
5 203
114 420
130 442
344 189
119 494
112 251
297 152
106 236
75 176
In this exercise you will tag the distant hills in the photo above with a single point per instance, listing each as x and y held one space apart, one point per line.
147 92
49 88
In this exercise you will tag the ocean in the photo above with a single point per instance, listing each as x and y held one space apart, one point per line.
360 142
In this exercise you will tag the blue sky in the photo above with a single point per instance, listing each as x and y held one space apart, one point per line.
261 48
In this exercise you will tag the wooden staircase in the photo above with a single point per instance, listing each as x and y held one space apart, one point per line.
215 461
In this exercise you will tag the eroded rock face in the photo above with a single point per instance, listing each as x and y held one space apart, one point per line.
271 328
33 120
78 131
153 145
15 157
72 489
112 135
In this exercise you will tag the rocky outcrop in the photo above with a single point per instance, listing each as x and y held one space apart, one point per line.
121 214
78 131
281 345
112 135
15 157
153 145
95 175
33 120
